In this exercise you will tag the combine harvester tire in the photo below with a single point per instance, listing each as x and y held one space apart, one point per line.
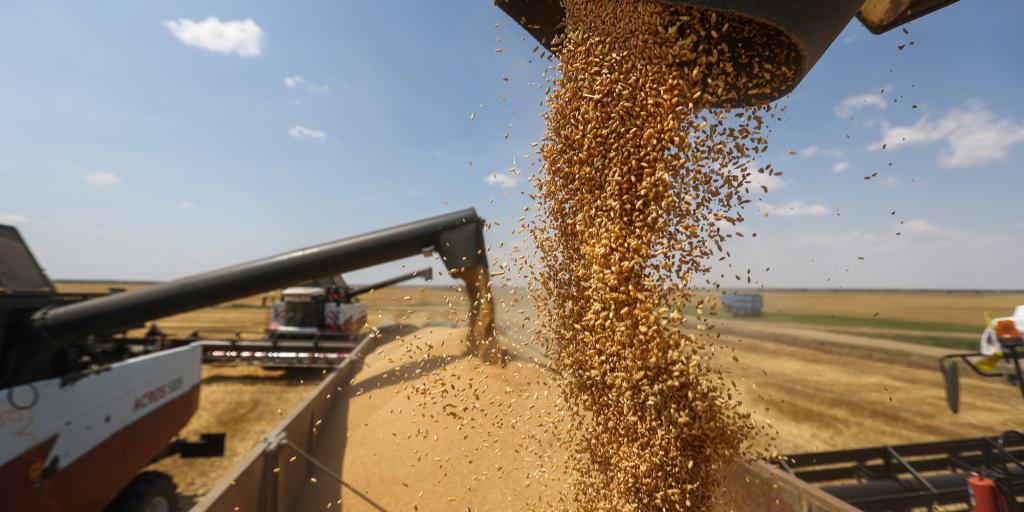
151 491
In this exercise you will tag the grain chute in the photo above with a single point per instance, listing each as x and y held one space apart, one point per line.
801 29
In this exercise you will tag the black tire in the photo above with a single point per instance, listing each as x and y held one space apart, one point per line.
148 492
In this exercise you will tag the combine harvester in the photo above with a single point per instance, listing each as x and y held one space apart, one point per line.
314 325
87 408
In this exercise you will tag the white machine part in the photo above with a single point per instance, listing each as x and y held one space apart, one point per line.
74 443
305 311
990 345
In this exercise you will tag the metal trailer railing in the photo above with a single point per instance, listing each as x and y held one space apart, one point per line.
914 476
292 468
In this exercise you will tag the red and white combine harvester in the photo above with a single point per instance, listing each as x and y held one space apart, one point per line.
86 408
314 325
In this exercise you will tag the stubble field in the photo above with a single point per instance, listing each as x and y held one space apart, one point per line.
828 370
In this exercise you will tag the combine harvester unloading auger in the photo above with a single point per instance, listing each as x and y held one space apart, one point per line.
87 408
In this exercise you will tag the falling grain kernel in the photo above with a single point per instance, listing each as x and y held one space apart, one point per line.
627 220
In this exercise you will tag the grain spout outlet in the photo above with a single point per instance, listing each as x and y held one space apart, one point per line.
771 34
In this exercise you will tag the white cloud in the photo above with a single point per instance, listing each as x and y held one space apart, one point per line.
187 205
301 132
292 82
923 227
840 166
852 104
241 37
815 151
973 136
102 179
772 182
12 218
890 182
832 239
501 179
795 209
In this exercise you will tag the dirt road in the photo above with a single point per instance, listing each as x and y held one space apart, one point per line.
805 335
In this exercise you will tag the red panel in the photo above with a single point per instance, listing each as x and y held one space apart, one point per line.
17 475
94 480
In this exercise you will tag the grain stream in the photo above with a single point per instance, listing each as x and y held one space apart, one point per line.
642 178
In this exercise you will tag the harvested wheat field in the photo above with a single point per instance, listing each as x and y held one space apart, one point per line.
819 389
409 448
818 399
814 400
946 307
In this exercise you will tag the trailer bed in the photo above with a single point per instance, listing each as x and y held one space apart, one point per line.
381 434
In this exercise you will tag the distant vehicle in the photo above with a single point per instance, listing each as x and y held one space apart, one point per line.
326 309
743 304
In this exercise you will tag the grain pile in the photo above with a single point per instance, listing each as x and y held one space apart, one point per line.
431 427
640 178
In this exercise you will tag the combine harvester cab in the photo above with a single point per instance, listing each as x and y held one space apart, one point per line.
309 312
314 325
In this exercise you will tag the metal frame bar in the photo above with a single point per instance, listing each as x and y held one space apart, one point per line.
914 475
313 460
1013 355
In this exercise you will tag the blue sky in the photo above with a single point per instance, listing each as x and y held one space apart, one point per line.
143 140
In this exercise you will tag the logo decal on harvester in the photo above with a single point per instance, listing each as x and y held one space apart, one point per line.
158 393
